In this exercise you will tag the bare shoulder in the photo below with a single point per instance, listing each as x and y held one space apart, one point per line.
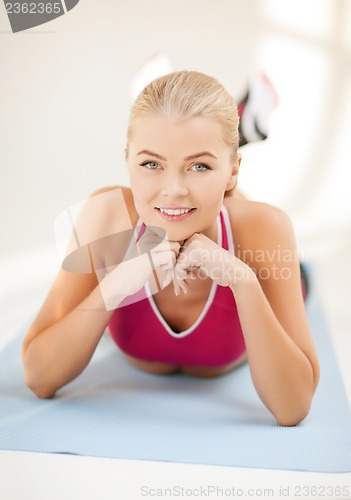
106 212
117 200
244 211
106 221
258 225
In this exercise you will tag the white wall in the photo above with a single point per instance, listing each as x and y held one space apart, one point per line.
65 95
305 165
64 105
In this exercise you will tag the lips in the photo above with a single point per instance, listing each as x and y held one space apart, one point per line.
175 213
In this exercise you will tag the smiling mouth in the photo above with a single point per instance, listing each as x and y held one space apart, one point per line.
176 214
175 211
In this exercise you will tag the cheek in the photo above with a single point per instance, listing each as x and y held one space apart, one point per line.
143 190
212 189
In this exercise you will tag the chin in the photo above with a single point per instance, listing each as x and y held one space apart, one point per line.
174 233
178 235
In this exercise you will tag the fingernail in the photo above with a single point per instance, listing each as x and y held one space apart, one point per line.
176 292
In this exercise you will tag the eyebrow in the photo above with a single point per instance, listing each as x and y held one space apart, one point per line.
196 155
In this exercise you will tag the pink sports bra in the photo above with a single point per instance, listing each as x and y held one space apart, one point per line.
215 339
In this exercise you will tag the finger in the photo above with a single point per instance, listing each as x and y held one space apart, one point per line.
184 286
163 264
180 287
191 275
182 266
180 284
164 259
176 286
166 279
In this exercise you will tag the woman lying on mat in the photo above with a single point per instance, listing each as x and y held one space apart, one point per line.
187 274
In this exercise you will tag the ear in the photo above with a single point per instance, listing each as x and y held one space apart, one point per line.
233 179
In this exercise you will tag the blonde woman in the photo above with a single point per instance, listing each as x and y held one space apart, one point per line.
224 268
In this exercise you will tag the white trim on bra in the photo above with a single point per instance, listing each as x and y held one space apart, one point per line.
208 302
229 231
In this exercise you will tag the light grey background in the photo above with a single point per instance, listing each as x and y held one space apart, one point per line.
65 97
64 105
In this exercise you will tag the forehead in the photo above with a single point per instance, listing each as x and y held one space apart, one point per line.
157 131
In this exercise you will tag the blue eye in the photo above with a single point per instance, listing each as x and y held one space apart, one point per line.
151 165
202 167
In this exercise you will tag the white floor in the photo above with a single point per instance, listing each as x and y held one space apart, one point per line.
47 476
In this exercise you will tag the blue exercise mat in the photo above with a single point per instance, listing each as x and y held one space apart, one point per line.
114 410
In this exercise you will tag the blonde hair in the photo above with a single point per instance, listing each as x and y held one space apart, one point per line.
188 94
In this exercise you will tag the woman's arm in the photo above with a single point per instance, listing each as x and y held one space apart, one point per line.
282 358
56 355
62 340
266 284
63 336
284 376
73 318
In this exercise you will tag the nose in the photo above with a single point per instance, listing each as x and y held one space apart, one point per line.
174 186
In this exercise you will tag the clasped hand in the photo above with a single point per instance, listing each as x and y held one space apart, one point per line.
175 262
200 257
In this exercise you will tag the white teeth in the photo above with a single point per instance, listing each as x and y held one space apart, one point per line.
179 211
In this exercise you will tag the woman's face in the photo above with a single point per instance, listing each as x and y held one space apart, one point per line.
179 172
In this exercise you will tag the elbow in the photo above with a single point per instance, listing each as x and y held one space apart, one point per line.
44 393
289 422
41 392
291 419
293 416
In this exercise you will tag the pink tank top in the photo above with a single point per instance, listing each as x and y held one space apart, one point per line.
215 339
